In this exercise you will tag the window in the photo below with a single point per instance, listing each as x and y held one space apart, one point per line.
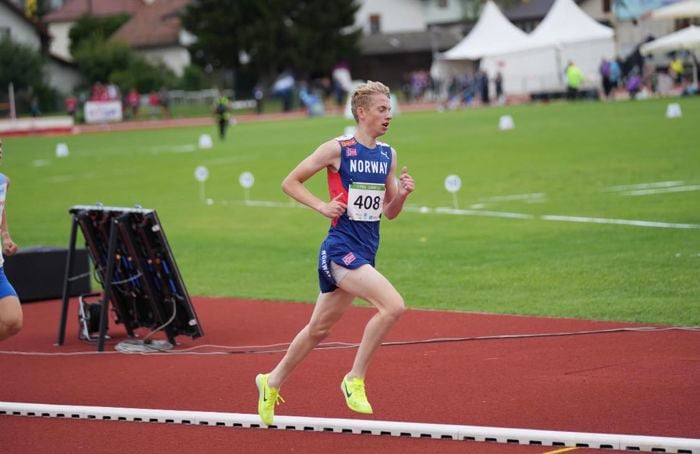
607 6
4 33
375 24
443 3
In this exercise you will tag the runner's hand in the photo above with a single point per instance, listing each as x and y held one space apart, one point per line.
406 183
9 247
335 208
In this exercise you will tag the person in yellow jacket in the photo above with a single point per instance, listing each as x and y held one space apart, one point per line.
676 69
574 80
222 112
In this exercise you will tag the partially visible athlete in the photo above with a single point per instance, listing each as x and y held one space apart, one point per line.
363 188
10 308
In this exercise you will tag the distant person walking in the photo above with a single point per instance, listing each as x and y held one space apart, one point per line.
222 112
363 188
574 80
10 308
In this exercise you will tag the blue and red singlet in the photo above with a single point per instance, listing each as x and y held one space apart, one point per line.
353 238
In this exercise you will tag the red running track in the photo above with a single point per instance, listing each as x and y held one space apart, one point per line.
637 383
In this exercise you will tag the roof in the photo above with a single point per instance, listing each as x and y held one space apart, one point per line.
73 10
567 23
531 9
492 34
154 25
408 42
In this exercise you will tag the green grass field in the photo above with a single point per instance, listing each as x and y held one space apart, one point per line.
571 154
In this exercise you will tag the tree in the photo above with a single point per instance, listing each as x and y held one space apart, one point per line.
89 28
103 61
19 64
268 36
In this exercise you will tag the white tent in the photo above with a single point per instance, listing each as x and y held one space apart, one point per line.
565 34
492 34
686 39
681 10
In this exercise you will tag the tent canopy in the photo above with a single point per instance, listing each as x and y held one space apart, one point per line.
688 39
681 10
566 23
492 34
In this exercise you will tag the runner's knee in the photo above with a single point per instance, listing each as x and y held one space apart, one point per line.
318 332
395 308
10 326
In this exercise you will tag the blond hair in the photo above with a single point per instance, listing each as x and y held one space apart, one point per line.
363 94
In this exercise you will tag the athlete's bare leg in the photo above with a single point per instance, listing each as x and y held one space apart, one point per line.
328 310
10 317
369 284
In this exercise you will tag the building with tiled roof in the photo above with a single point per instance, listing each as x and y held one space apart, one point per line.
60 21
155 32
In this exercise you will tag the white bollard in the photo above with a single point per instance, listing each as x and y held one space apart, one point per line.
673 110
205 141
61 150
506 122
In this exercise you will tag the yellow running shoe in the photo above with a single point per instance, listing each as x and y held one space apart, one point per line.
268 398
355 396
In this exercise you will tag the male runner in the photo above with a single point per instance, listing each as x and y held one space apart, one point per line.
10 308
362 185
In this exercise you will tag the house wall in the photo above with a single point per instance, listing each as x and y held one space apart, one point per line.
396 15
60 42
61 77
175 58
19 30
452 11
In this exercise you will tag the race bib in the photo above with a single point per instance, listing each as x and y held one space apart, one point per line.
365 201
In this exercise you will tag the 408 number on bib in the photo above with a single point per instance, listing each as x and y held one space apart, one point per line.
366 201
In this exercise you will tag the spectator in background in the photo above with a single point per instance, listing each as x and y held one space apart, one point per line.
222 112
259 96
154 103
634 83
341 82
484 87
574 80
498 82
604 70
615 75
112 91
676 69
71 105
133 102
164 99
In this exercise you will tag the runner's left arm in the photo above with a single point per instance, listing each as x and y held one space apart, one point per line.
396 194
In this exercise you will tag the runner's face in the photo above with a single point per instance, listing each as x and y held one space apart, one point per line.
378 114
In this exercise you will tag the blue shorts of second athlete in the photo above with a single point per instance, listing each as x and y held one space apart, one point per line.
6 288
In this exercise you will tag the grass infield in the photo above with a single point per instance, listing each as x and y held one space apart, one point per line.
580 160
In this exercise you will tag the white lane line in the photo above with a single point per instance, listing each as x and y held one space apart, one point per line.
532 197
633 222
691 187
658 184
360 426
496 214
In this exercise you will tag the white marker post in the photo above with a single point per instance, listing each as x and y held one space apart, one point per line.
452 184
201 174
246 180
61 150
